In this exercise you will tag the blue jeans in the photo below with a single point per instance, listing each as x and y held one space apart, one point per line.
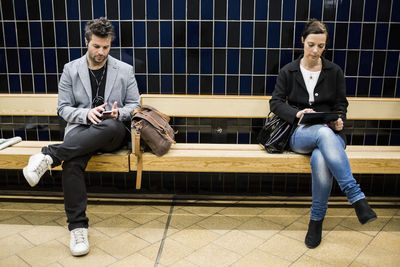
328 160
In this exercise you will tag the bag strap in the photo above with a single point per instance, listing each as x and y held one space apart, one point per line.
146 107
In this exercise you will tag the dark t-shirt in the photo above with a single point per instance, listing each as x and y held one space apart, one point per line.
98 83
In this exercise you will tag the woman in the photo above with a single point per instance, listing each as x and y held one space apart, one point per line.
309 84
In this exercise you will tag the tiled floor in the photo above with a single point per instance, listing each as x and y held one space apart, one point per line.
197 234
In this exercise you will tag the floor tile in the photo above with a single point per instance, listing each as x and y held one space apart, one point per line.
203 211
375 257
152 231
46 253
173 251
347 238
13 244
41 234
260 228
181 219
143 214
284 247
241 213
123 245
115 225
393 225
13 261
307 261
194 236
96 257
219 224
213 255
260 258
239 242
388 241
134 260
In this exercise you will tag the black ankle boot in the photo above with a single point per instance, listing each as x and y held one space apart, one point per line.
314 233
364 212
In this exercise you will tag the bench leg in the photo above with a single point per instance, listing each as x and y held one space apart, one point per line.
139 171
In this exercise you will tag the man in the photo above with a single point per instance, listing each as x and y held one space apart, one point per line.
96 94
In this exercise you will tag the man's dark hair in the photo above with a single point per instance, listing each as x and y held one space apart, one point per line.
100 27
315 26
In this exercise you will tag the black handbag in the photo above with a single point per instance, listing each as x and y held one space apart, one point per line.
275 134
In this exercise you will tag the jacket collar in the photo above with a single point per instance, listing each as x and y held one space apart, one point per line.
112 70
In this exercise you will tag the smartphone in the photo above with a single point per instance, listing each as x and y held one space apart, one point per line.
106 114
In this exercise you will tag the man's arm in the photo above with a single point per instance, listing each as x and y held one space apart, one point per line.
132 99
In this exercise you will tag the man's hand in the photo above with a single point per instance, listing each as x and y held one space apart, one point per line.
94 115
114 111
336 125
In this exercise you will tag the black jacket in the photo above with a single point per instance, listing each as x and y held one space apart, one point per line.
290 94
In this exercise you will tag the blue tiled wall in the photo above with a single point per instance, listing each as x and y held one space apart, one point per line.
201 46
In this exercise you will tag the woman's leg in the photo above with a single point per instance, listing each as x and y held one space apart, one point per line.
307 138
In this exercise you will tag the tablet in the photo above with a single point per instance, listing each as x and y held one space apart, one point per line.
319 117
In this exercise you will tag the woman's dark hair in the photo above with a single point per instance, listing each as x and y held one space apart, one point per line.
100 27
315 26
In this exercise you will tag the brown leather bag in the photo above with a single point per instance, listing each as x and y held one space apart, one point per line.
154 129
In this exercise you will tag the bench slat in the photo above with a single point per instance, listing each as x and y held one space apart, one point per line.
16 157
252 159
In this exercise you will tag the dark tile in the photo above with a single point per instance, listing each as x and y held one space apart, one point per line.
193 61
394 40
99 9
205 85
379 63
275 10
352 63
354 36
39 83
22 30
166 60
180 60
234 9
193 84
376 87
166 84
246 60
272 62
180 84
341 36
351 86
51 83
193 34
381 36
180 9
126 34
140 60
152 9
179 34
12 61
220 34
274 34
389 85
48 34
9 32
4 83
33 9
153 84
368 34
287 34
139 34
25 60
27 84
165 33
289 9
153 63
50 60
247 34
343 10
138 9
329 12
363 87
207 9
232 85
219 85
258 87
245 85
125 9
7 7
247 9
259 61
220 9
270 81
384 10
219 61
365 63
370 10
152 34
357 7
59 10
74 34
286 57
86 10
302 10
61 34
260 37
206 34
112 9
166 9
127 55
233 34
193 8
142 83
62 59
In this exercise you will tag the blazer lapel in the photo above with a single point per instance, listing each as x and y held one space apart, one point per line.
84 76
300 80
111 76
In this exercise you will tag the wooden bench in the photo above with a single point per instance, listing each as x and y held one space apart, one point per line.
252 158
16 156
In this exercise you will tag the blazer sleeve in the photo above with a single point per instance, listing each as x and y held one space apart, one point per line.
66 100
132 98
278 102
341 102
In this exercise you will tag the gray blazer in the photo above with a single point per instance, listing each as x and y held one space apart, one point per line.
75 91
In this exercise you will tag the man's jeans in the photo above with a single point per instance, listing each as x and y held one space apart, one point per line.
328 160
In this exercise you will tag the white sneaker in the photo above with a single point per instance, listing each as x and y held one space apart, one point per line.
79 244
38 164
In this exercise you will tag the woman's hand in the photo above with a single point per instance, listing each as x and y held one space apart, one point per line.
336 125
301 112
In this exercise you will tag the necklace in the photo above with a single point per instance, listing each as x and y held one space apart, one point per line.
98 100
